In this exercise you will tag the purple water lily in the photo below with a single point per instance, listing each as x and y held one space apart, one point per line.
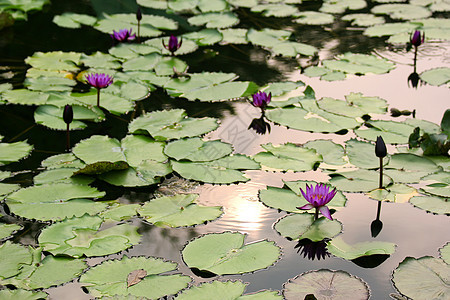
173 44
417 38
318 197
261 99
123 35
99 81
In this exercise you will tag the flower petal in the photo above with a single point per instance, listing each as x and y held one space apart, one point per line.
306 206
326 212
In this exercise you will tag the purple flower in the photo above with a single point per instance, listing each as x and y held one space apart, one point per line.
99 80
173 45
123 35
417 38
318 197
261 99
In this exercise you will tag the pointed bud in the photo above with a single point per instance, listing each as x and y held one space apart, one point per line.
380 147
139 14
68 114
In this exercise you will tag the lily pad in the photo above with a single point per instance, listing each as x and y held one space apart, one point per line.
52 116
402 11
81 236
324 284
311 118
437 76
195 149
436 205
354 63
391 132
178 211
73 20
303 226
275 9
398 193
7 230
332 153
22 294
362 154
267 37
115 104
204 37
288 157
409 168
100 60
12 152
314 18
422 278
55 201
109 279
355 105
119 212
441 185
338 247
225 253
214 20
232 290
171 124
234 36
363 19
358 180
56 60
188 46
445 253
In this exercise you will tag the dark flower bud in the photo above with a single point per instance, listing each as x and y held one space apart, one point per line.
417 38
380 147
68 114
138 14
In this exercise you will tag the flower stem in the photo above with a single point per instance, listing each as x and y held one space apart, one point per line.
316 214
68 138
98 97
381 173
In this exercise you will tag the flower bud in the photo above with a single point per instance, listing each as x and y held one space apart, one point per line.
380 147
68 114
138 14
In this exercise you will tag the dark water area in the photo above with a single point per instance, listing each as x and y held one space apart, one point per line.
415 232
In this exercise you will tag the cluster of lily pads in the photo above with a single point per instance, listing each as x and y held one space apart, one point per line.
78 224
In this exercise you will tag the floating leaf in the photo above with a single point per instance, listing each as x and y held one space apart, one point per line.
288 157
171 124
281 88
234 36
12 152
225 253
292 49
326 284
205 37
355 105
56 60
422 278
363 19
188 46
358 180
267 37
303 226
432 204
332 153
445 253
12 259
22 294
391 132
338 247
130 51
314 18
354 63
232 290
214 20
52 116
100 60
362 154
7 229
81 236
441 186
73 20
119 212
114 104
409 168
109 279
55 201
311 118
437 76
275 10
65 160
399 193
402 11
178 211
195 149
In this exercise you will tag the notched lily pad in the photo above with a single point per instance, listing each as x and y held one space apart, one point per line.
432 204
178 211
12 152
225 253
198 150
338 247
6 230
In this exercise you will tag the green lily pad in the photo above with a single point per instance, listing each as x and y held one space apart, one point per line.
33 272
355 105
362 154
73 20
142 63
188 46
7 188
115 104
129 51
289 197
303 226
234 36
232 290
55 201
281 88
195 149
169 66
437 76
12 152
445 253
292 49
409 168
275 10
22 294
101 167
81 236
402 11
52 117
65 160
214 20
338 247
7 230
358 180
332 153
398 193
267 37
288 157
311 118
391 132
326 284
56 60
61 175
225 253
364 20
109 279
204 37
119 212
100 60
178 211
314 18
171 124
389 29
354 63
436 205
340 6
99 148
441 185
422 278
49 84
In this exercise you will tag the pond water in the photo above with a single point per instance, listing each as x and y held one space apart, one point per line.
414 231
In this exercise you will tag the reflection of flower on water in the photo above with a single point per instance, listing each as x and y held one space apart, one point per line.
414 80
312 250
260 125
